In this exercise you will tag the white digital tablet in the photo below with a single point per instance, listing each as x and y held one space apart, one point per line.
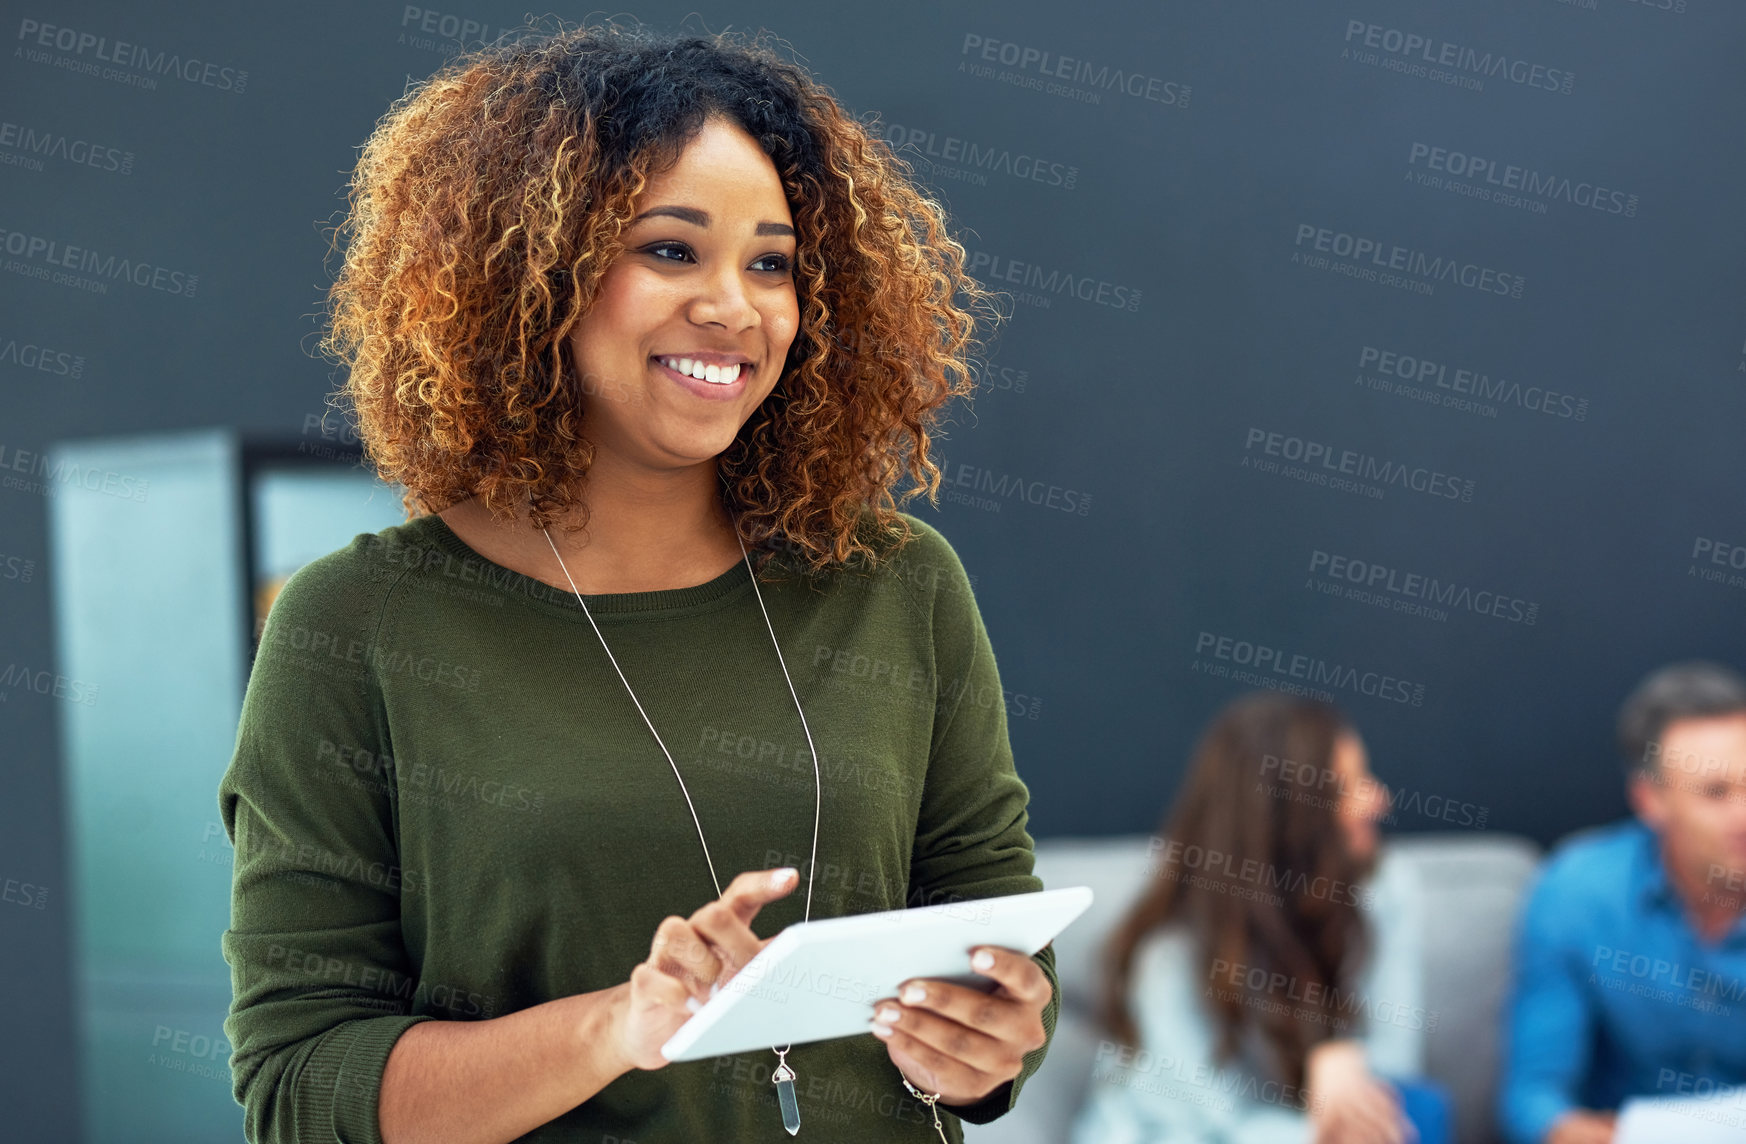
818 980
1689 1120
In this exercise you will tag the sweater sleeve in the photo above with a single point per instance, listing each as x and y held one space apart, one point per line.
321 981
971 839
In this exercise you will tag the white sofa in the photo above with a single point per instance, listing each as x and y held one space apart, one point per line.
1473 882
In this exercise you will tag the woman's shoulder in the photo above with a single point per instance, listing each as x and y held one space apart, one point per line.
924 562
1164 962
345 590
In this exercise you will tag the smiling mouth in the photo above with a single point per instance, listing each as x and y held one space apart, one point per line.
699 371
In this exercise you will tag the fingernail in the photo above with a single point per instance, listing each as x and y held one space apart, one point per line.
780 878
692 1005
982 960
881 1030
888 1015
714 989
914 995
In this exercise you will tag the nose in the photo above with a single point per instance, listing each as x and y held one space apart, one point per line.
722 299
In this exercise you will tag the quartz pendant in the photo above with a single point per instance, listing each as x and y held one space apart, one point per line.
783 1078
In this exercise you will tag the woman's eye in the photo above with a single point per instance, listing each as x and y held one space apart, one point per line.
660 246
781 262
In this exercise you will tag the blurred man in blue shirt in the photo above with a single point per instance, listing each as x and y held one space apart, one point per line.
1631 952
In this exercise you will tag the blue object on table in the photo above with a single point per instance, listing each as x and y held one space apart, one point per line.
1428 1106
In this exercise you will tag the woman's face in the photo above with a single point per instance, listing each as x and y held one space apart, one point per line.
706 276
1363 798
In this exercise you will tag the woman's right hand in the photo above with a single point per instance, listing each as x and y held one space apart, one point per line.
689 956
1347 1104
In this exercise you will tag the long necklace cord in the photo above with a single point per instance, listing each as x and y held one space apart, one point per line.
783 1076
614 660
817 782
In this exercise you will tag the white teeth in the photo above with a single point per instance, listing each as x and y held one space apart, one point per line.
714 374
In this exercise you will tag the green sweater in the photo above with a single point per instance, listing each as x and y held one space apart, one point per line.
445 806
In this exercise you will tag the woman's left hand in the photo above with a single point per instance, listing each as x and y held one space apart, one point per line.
960 1042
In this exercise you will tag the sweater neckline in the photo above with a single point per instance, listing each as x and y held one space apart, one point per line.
666 602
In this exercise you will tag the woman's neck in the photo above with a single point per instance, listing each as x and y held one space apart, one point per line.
642 535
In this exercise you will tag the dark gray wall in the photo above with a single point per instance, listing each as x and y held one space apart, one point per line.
1198 208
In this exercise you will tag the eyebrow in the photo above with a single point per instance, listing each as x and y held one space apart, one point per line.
701 218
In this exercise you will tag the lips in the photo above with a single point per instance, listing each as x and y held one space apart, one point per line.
715 391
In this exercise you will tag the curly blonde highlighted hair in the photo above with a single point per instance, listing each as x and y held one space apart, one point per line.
486 206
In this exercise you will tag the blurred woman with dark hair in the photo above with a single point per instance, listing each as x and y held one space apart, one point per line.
1269 974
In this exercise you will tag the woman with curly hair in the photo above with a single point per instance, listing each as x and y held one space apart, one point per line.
648 330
